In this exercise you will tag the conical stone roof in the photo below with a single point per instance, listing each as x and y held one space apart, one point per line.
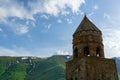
86 25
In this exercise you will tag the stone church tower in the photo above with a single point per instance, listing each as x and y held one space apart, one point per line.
88 61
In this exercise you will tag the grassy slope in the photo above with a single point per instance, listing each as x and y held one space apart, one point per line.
14 72
11 70
5 62
49 69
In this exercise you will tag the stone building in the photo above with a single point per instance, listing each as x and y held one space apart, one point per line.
88 61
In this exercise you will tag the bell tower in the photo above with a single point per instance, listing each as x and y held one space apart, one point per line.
88 61
87 40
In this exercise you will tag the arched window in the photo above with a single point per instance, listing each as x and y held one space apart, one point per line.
76 52
97 51
86 51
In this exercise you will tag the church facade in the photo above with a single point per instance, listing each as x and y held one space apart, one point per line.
88 61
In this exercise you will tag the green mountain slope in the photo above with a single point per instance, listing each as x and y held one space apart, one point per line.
12 68
14 72
33 68
52 68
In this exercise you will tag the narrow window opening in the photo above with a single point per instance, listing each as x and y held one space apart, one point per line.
76 78
71 78
97 51
86 51
76 52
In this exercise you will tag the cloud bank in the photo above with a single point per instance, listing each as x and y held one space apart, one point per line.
14 52
19 10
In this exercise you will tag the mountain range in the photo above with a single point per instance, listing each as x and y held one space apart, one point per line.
36 68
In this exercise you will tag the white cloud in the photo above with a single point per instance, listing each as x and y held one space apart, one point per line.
59 21
61 52
55 7
45 16
111 32
22 29
17 27
1 29
69 21
50 51
95 7
14 9
92 13
107 16
65 12
49 26
112 42
9 9
14 52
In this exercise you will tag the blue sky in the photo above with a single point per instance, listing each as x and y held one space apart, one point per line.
45 27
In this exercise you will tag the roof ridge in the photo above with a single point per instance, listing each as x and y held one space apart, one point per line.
85 25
